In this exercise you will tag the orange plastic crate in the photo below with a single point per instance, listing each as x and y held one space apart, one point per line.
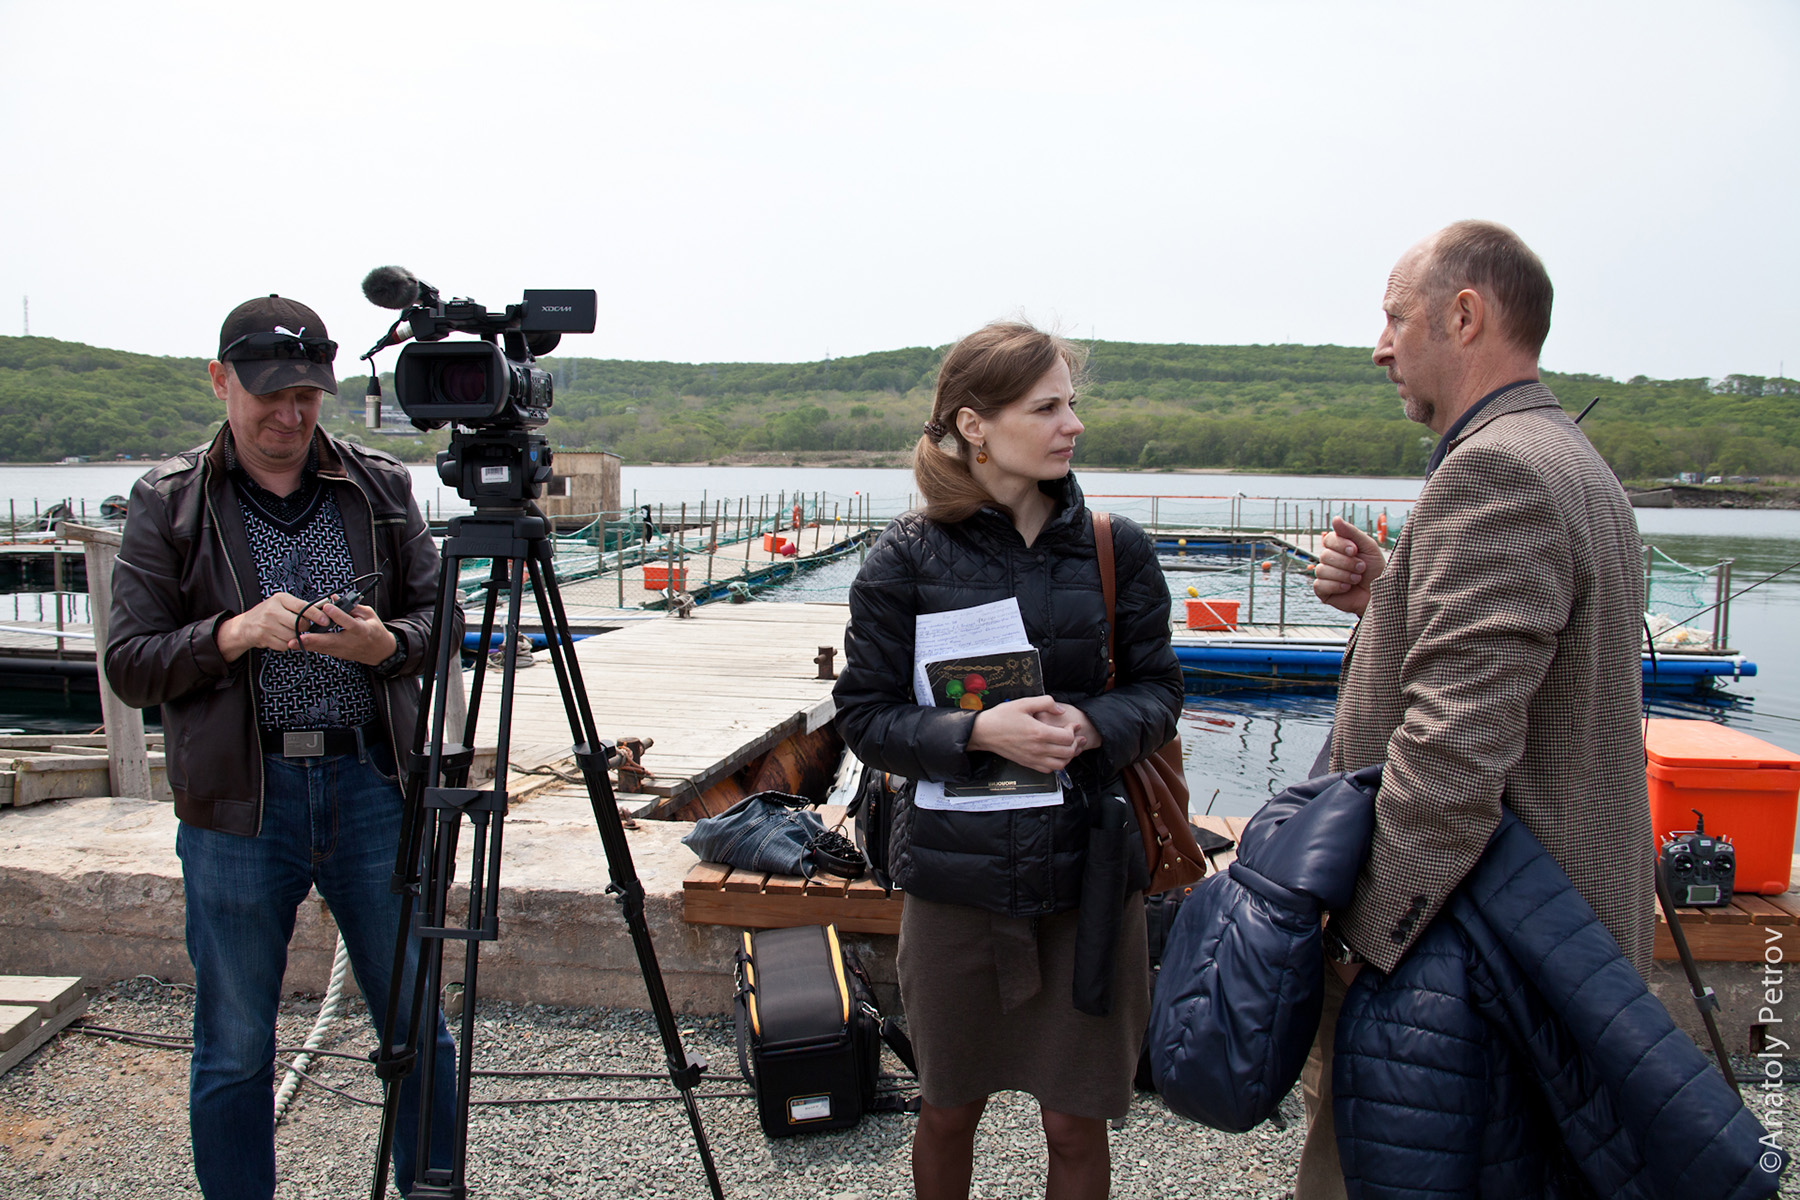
1748 790
773 542
656 578
1212 614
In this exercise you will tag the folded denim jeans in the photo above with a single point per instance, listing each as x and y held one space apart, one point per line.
767 831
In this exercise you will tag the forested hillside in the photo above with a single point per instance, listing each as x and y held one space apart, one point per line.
1303 409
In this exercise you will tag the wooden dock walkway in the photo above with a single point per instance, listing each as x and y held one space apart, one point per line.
713 690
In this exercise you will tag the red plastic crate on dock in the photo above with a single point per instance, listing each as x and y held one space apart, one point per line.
1212 614
656 577
1747 788
773 542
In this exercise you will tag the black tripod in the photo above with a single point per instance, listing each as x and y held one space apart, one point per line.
516 539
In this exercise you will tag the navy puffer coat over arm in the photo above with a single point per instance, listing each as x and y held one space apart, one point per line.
1515 1052
1238 998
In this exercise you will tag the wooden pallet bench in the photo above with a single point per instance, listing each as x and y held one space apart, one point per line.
1741 931
715 894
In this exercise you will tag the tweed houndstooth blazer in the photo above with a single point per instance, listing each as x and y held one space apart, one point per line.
1499 661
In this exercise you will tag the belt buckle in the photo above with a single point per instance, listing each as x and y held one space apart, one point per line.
308 743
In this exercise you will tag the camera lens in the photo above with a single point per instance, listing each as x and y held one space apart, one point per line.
460 381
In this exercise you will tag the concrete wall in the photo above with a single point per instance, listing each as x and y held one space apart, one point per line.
93 888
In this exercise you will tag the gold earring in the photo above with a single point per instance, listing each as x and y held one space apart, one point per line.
981 454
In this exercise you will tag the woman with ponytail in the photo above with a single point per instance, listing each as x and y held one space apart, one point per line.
1023 963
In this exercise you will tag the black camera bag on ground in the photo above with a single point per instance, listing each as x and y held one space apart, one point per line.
808 1033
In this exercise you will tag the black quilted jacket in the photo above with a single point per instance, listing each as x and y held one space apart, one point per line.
1024 862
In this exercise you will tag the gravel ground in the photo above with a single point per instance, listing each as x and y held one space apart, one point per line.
88 1117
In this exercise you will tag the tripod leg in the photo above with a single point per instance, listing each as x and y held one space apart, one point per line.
685 1070
395 1056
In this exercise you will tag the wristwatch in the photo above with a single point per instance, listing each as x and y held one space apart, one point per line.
391 663
1337 949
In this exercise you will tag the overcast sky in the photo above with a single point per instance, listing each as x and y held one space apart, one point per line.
783 181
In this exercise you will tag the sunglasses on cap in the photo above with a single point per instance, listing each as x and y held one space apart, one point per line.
263 346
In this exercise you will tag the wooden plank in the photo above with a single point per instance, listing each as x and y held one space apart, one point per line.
48 1029
1719 942
852 915
827 885
128 764
865 889
49 994
784 885
1720 914
17 1021
706 876
1761 911
744 882
59 777
1222 858
1787 902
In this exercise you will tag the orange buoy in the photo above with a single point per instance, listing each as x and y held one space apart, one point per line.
1381 528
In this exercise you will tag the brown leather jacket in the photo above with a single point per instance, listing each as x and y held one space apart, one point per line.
185 565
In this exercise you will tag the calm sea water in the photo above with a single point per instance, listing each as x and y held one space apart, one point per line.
1243 745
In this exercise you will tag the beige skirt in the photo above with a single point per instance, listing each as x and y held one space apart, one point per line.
979 1025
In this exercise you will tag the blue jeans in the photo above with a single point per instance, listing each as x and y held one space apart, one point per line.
333 822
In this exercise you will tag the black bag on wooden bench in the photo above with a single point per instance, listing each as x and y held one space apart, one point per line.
872 810
808 1025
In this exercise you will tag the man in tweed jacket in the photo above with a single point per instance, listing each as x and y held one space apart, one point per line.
1497 660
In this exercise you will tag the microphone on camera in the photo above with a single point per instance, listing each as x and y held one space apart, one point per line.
395 287
392 287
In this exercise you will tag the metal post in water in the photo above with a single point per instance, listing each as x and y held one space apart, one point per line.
56 571
1281 617
1722 613
1250 615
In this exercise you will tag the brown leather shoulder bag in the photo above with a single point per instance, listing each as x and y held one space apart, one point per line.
1156 786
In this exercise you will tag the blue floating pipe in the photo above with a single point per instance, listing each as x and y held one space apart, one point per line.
1689 668
472 641
1252 660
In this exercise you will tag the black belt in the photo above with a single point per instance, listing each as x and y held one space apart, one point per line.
317 743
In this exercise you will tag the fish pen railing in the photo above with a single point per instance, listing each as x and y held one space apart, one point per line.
1287 516
1676 593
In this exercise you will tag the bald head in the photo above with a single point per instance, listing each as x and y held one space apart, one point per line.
1491 259
1467 311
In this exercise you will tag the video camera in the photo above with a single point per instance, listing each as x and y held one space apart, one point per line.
475 384
491 389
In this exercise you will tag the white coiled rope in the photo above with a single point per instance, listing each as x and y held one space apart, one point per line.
328 1013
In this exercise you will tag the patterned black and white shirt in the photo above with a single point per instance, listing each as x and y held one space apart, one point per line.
299 546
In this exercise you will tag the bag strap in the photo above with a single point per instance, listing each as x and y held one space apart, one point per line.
1109 587
741 1014
891 1033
